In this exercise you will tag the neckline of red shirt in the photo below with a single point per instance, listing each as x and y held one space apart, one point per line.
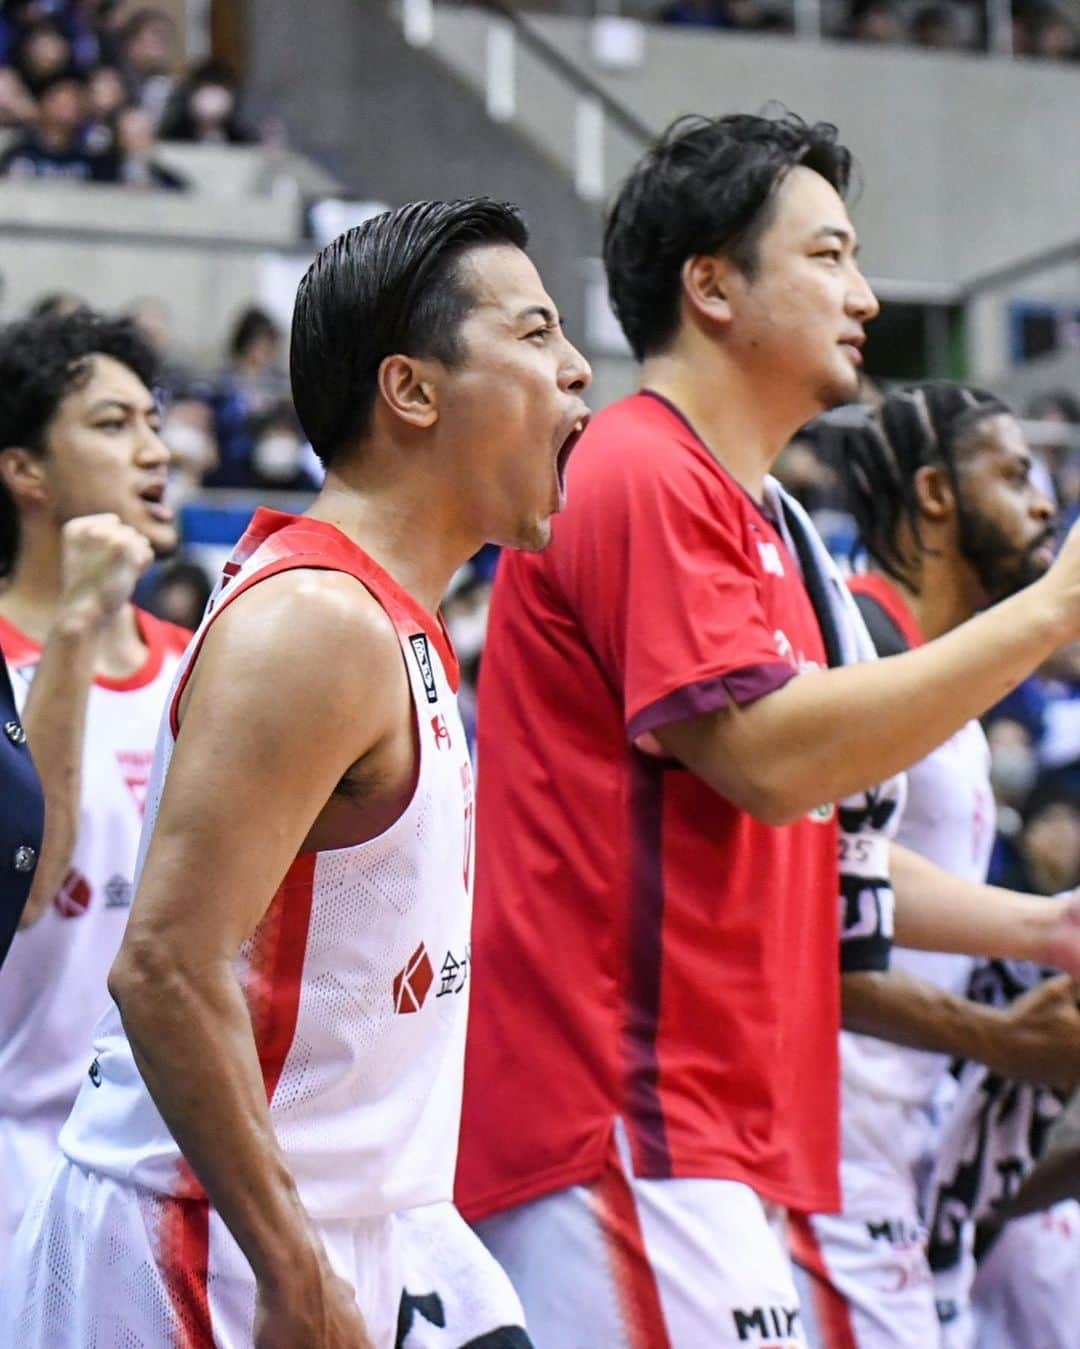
21 649
681 416
266 521
882 590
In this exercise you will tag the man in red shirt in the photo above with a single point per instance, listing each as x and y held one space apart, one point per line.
652 1063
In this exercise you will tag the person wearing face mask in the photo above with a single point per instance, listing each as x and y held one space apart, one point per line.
204 109
280 458
941 487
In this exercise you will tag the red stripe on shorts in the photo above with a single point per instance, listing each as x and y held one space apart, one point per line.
830 1305
180 1232
628 1261
275 966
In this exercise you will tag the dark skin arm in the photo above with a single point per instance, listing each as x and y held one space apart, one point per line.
1036 1038
302 679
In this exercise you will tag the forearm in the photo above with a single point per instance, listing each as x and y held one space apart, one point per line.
936 911
191 1035
914 1013
54 719
828 734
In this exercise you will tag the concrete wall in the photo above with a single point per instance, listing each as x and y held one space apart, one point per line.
396 125
968 163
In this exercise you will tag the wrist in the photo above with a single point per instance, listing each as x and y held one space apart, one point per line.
80 619
1052 611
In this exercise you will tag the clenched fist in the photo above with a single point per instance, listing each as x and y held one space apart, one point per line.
102 559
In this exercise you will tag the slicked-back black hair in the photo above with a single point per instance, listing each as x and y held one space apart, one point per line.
706 186
391 285
922 425
42 359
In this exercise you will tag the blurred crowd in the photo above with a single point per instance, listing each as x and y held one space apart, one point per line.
89 87
1039 27
1034 734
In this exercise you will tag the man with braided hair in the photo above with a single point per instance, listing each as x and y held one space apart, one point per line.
940 483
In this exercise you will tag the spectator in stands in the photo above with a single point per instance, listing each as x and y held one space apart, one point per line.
1048 853
280 458
148 45
879 22
1054 35
254 384
17 106
54 148
133 153
937 26
188 431
180 593
42 54
106 93
204 109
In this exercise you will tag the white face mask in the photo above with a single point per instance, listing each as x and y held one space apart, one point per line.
277 456
192 449
1013 770
211 103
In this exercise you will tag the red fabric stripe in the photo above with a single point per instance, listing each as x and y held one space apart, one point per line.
275 967
180 1232
635 1280
879 588
830 1305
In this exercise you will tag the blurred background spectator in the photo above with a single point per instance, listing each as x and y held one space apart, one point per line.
252 386
204 109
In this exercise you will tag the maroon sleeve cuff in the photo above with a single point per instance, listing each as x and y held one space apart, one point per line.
737 687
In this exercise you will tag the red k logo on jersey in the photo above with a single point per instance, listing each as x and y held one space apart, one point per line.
135 765
411 985
73 898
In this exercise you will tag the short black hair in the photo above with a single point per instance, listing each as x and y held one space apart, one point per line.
706 186
391 285
42 359
251 324
921 425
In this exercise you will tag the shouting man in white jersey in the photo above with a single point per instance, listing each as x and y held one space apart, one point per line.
264 1147
940 483
82 473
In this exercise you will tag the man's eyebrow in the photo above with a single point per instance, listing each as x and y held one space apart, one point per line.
106 404
845 236
541 311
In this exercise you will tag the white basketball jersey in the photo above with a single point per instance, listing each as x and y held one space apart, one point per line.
52 989
357 976
949 818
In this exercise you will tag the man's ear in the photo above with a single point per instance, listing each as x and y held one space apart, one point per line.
706 284
409 389
934 493
23 474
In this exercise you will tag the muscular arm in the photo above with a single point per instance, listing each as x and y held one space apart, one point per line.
297 681
827 734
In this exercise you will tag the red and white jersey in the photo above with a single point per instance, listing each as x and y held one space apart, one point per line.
949 818
357 976
53 985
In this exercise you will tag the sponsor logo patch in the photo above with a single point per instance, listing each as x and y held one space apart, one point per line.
419 643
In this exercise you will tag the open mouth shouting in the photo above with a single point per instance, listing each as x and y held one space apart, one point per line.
564 451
